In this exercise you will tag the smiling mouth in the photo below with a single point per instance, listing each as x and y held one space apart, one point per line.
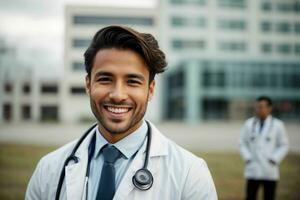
117 109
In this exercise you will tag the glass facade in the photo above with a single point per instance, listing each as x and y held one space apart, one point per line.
223 82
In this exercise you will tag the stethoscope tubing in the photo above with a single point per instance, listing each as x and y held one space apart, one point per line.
91 152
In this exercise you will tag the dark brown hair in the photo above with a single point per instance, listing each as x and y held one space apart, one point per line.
121 37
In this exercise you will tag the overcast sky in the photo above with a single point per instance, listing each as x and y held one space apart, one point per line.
36 29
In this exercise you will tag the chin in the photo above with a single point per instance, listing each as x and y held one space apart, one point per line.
116 128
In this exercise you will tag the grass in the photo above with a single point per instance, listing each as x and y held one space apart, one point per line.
17 163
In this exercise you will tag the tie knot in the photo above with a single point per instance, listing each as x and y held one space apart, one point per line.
111 154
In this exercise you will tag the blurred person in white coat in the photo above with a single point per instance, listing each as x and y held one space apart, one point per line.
263 145
123 156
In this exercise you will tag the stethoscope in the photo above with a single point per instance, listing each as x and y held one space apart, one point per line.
253 132
142 178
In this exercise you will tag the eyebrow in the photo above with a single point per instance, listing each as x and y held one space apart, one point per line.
103 73
132 75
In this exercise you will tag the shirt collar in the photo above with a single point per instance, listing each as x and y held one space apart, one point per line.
128 146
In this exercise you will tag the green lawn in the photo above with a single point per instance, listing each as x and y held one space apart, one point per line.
17 163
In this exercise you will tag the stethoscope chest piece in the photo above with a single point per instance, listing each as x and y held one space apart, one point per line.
142 179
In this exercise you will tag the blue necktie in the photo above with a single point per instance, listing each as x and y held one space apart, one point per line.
107 186
261 125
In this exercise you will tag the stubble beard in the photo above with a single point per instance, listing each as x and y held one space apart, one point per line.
131 124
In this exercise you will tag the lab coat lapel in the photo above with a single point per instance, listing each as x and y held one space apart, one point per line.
158 148
266 126
75 172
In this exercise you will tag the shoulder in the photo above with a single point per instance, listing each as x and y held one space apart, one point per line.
52 163
59 154
250 121
181 160
47 172
277 122
195 178
182 155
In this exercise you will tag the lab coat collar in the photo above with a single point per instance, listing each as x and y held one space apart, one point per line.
266 127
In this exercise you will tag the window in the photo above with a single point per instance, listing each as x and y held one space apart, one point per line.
233 46
297 7
188 44
26 88
81 43
125 20
266 26
8 87
178 21
49 89
7 112
213 78
266 47
192 2
77 90
232 24
49 113
232 3
285 7
214 108
177 80
26 112
297 49
78 66
284 48
297 27
266 6
283 27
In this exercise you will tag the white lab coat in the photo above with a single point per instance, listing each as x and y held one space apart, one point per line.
177 174
259 148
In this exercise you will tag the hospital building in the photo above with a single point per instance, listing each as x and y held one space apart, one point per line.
222 54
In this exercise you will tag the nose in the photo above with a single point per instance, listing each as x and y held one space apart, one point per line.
118 93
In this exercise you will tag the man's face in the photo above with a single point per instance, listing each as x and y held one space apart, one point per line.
262 109
119 90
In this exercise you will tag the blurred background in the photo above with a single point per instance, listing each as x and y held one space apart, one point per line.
222 55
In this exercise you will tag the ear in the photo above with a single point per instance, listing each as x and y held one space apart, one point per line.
151 90
87 84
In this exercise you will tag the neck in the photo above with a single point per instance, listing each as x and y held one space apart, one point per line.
115 137
263 118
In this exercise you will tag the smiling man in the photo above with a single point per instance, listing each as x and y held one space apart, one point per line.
123 156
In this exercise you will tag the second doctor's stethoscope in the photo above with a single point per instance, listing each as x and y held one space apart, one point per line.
142 178
253 132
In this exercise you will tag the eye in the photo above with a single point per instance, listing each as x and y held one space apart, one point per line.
104 79
134 82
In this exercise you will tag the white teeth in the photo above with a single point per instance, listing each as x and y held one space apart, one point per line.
117 110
